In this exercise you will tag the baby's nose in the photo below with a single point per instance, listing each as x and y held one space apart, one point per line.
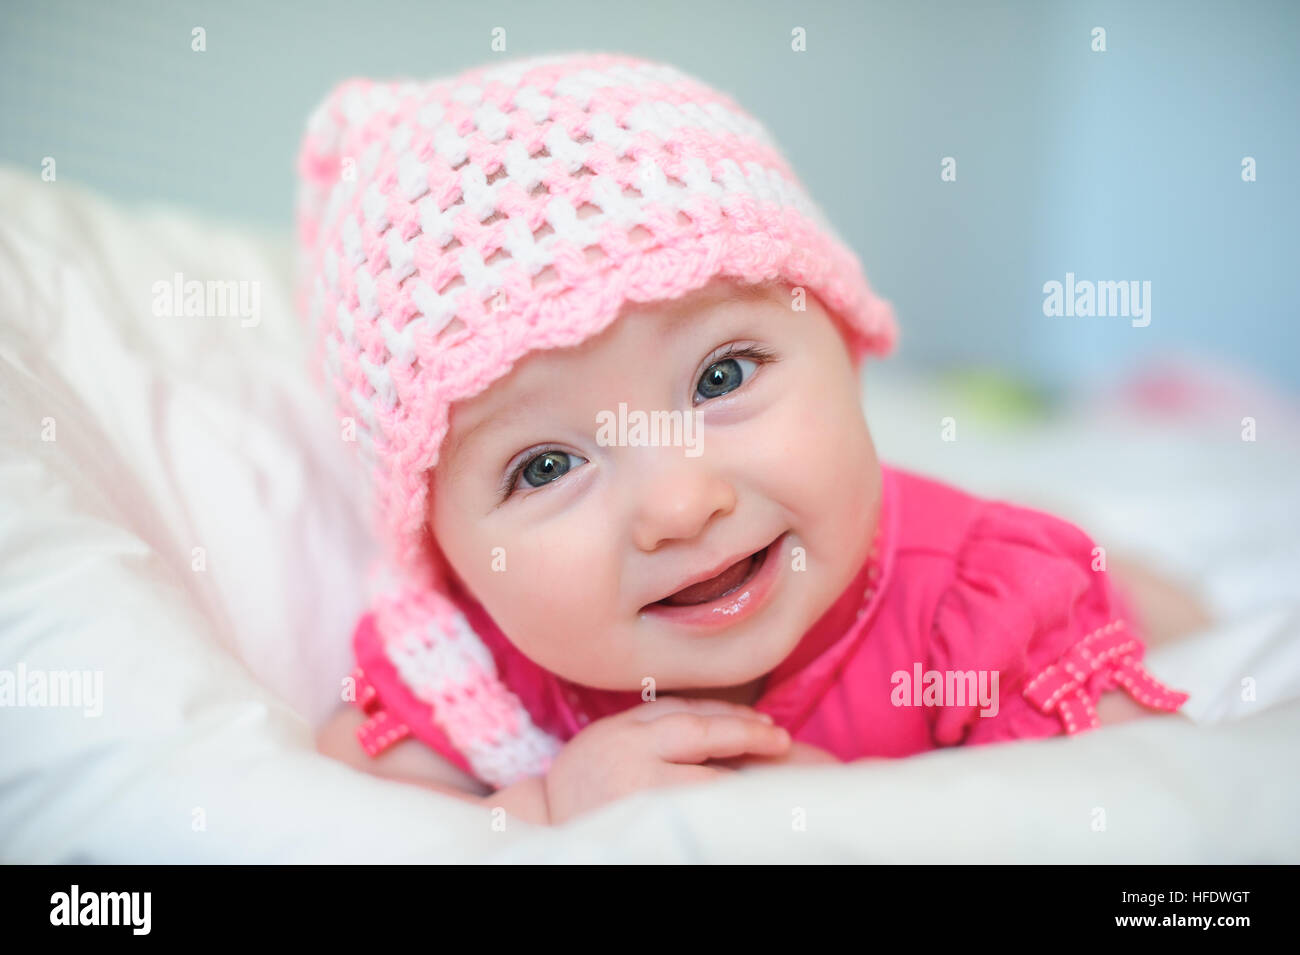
680 502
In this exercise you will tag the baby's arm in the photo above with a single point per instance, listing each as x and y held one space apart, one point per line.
1167 612
410 761
1116 706
1166 609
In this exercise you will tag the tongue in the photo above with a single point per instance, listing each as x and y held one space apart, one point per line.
712 589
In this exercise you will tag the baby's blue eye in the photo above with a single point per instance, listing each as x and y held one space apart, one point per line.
548 466
721 377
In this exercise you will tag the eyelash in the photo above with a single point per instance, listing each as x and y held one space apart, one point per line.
757 353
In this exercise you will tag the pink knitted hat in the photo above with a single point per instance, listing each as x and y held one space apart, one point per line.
441 241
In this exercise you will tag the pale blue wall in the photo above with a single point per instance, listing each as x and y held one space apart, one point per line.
1114 166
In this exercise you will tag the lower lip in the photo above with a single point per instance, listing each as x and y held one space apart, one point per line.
741 604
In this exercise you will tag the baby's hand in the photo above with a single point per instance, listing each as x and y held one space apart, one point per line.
798 754
655 744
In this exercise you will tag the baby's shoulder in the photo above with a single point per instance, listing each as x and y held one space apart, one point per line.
1020 598
939 522
930 516
987 578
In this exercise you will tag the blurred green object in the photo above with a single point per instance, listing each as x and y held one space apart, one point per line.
996 398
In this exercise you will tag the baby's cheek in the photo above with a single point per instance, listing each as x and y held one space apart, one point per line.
831 455
551 600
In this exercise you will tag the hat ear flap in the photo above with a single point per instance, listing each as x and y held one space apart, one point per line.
443 663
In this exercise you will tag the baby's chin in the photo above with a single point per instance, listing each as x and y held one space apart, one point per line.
692 663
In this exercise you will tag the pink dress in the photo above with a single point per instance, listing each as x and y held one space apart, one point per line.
957 591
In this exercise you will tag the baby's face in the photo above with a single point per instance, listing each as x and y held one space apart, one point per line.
571 533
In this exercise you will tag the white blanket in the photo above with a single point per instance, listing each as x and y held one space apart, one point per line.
178 516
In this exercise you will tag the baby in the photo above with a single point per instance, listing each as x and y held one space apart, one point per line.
600 353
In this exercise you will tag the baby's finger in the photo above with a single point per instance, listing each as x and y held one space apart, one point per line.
694 738
655 709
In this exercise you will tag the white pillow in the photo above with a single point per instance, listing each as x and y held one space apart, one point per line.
127 440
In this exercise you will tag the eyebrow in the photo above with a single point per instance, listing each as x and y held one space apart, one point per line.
493 422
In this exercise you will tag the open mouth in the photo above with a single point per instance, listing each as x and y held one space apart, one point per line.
715 588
